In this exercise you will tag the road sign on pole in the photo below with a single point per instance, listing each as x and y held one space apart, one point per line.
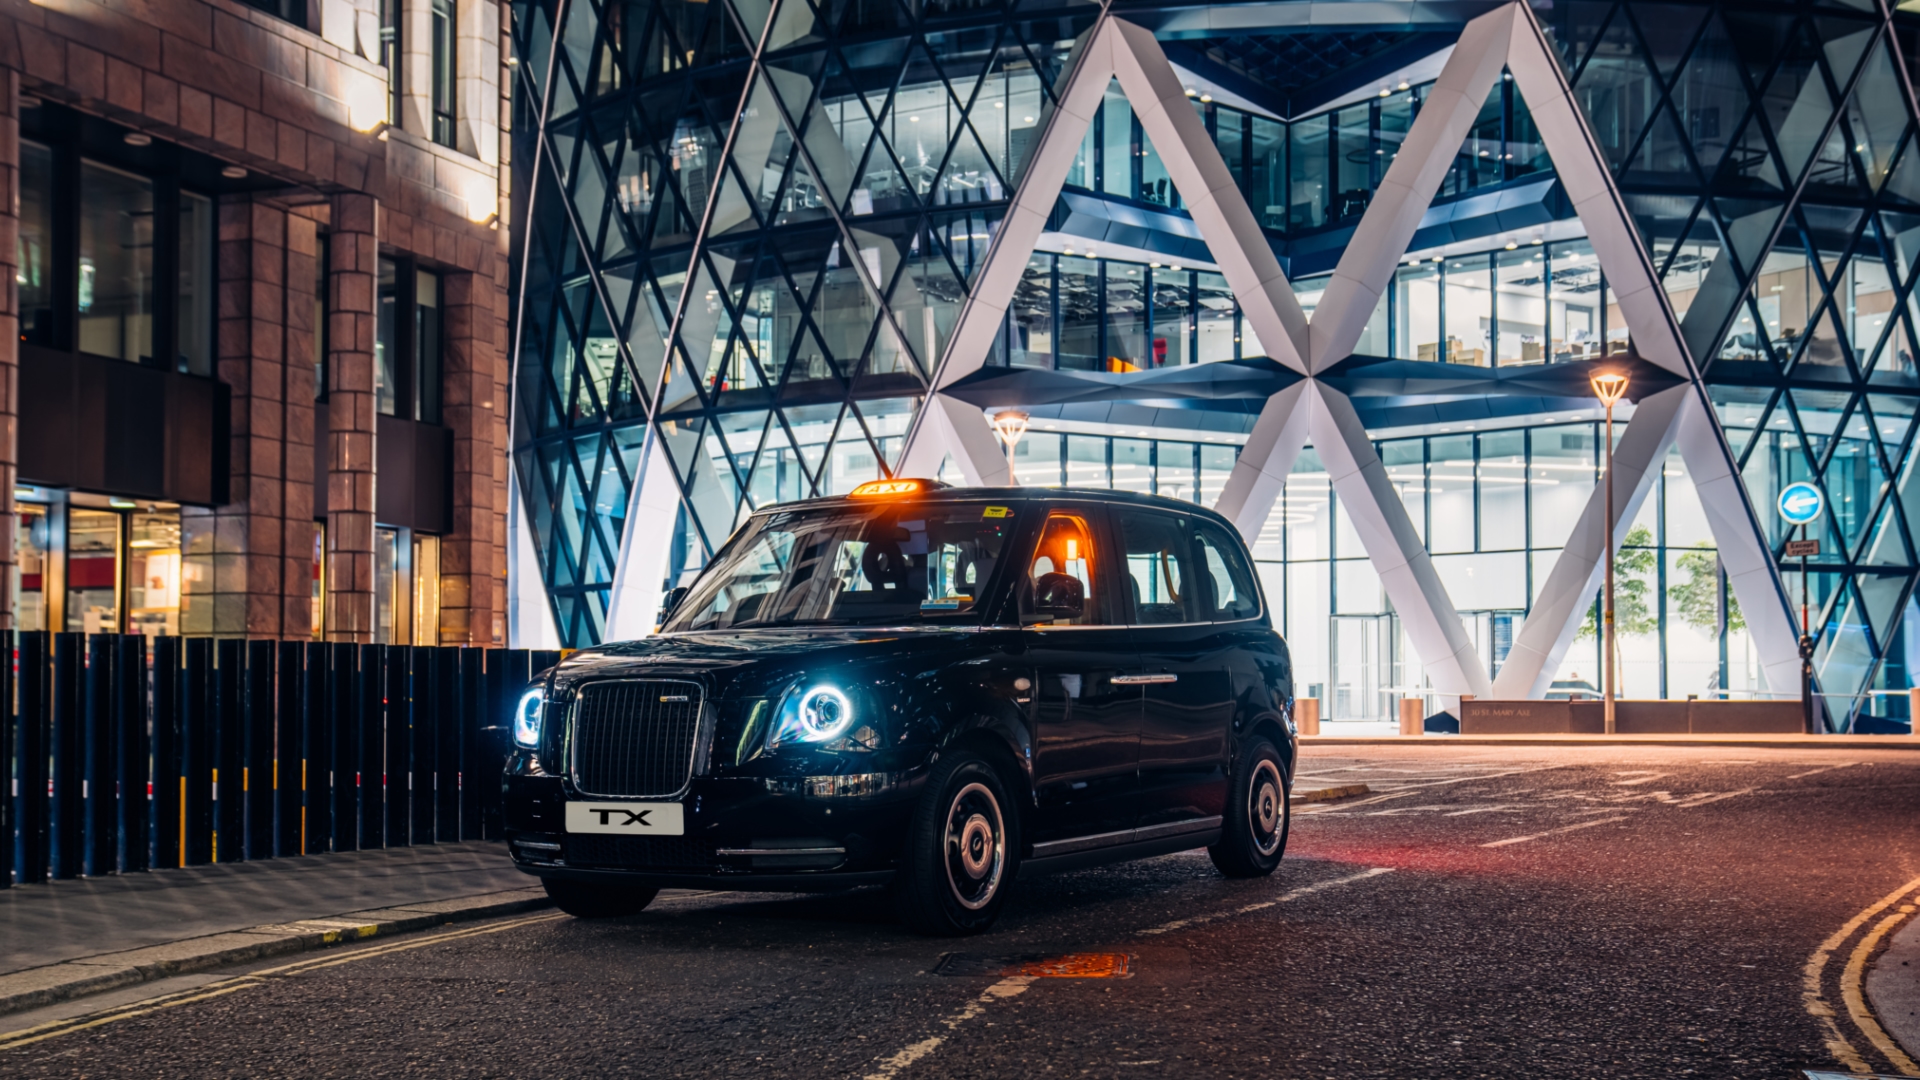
1801 503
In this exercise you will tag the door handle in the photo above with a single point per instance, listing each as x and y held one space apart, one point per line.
1144 680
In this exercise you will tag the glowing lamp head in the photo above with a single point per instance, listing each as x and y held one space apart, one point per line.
527 719
1010 425
882 488
824 713
1609 387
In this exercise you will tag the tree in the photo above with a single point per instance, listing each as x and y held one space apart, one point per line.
1697 599
1633 561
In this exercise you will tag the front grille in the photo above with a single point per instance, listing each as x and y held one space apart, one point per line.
634 739
653 852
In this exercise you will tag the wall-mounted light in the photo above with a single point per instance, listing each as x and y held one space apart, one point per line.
137 138
234 172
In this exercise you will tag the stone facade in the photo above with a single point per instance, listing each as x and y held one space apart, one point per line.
306 110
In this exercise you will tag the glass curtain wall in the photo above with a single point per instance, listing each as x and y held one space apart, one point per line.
1312 171
1495 508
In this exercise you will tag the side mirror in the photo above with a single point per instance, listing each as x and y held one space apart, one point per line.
672 601
1059 596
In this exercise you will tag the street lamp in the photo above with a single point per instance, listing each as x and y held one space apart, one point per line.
1609 387
1009 425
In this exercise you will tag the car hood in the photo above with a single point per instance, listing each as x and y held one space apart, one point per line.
742 659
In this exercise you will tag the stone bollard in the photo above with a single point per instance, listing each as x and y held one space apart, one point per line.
1306 715
1413 716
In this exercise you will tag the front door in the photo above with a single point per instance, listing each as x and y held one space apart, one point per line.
1087 735
1186 660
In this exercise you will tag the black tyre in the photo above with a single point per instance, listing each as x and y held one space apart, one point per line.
961 850
1254 836
586 901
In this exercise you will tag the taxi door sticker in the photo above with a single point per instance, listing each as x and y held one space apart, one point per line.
995 512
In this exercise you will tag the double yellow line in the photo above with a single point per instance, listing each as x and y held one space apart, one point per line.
53 1029
1852 983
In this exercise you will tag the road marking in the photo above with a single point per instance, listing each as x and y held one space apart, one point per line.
1182 924
1014 986
1816 772
1010 987
1641 777
1853 992
55 1028
1814 998
1550 832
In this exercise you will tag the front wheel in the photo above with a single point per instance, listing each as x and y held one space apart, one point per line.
961 849
1254 835
583 900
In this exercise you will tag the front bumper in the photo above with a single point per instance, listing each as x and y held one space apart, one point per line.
740 833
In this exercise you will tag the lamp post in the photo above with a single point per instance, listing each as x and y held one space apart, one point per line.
1609 387
1009 425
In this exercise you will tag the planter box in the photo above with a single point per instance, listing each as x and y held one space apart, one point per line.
1630 717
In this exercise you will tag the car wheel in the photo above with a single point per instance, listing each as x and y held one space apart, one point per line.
1254 836
586 901
961 849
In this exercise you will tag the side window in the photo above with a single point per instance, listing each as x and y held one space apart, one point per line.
1227 591
1160 578
1061 588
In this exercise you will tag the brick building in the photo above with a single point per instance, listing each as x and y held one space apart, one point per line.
252 348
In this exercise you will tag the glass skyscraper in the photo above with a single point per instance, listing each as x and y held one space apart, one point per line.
746 232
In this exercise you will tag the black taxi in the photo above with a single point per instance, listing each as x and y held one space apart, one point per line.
930 688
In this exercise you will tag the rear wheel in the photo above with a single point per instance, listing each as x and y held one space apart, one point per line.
1254 835
583 900
961 850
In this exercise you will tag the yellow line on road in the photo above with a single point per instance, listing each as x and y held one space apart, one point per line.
56 1028
1815 999
1853 992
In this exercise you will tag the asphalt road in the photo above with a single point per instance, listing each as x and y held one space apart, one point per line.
1595 912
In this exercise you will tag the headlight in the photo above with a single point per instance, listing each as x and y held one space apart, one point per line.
820 714
526 719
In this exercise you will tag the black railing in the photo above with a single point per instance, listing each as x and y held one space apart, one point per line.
130 753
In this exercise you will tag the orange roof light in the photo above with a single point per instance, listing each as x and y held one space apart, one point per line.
889 487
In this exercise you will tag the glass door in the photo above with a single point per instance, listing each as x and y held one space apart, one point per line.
1364 666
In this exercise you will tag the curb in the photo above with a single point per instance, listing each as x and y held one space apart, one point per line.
1788 742
41 986
1328 794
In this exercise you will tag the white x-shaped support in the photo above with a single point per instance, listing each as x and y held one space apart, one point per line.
1511 39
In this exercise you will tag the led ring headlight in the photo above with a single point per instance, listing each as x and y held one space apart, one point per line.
526 719
824 713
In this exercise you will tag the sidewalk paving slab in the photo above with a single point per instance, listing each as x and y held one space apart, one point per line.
70 938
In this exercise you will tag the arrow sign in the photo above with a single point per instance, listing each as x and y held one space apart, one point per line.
1801 503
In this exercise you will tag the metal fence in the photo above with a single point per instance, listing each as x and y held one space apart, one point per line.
128 753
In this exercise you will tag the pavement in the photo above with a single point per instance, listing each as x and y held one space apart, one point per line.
80 936
1482 911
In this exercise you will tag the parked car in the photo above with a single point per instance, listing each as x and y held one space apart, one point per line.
934 689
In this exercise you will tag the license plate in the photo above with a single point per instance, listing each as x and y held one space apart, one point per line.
626 818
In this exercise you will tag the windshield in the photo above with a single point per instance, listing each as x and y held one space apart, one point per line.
890 563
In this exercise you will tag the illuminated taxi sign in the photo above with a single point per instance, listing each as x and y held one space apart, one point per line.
889 487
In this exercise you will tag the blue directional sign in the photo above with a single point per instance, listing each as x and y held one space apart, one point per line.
1801 503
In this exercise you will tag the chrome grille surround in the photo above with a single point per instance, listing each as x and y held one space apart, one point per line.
636 738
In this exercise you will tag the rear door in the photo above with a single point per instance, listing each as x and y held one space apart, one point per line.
1087 725
1185 662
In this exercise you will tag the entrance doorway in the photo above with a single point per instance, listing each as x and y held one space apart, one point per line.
92 564
1366 665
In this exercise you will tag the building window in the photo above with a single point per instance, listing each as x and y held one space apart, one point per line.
407 365
90 564
111 262
444 69
116 263
293 11
406 587
390 55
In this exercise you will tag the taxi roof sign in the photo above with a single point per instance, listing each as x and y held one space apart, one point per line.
873 488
